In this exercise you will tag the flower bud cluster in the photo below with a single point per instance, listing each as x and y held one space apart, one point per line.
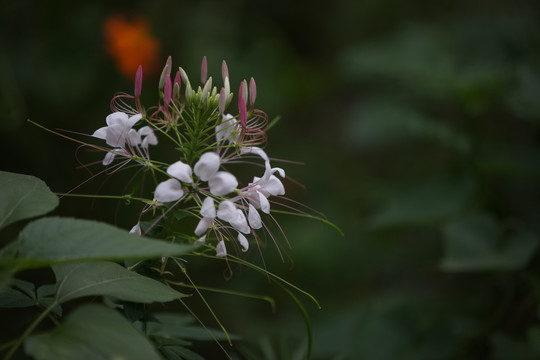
203 140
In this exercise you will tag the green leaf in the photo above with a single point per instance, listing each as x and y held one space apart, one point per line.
477 243
178 352
23 197
109 279
176 326
91 332
20 294
59 240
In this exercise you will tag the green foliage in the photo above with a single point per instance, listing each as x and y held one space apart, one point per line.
23 197
58 240
77 251
92 332
109 279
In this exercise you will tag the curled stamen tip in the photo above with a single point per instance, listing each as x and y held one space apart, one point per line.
204 71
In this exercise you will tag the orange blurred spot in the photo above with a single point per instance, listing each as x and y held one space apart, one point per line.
131 44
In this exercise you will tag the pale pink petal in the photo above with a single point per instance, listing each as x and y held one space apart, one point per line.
207 166
116 135
222 183
180 171
168 190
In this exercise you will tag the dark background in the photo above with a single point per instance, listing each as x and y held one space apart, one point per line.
418 125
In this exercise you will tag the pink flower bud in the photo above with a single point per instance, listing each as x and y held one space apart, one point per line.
222 101
252 92
245 90
167 92
138 81
165 73
177 85
204 71
242 108
224 70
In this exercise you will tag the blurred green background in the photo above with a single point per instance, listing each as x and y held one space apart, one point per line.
418 123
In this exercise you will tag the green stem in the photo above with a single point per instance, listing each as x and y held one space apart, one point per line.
29 330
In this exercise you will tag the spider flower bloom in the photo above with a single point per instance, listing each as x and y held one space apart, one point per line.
130 44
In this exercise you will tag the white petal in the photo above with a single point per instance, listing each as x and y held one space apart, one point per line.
240 222
264 203
101 133
255 150
133 120
136 230
116 135
109 157
117 117
243 242
133 137
180 171
221 250
222 183
254 218
149 137
202 239
207 209
203 225
274 186
168 190
226 210
207 166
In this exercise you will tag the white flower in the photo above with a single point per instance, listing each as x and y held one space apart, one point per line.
168 190
149 136
221 250
117 129
228 129
243 242
227 211
180 171
220 182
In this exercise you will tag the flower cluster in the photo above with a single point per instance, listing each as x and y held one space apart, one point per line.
207 140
